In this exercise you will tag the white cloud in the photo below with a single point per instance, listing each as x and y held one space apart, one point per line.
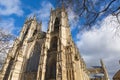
72 18
43 14
7 25
8 7
101 43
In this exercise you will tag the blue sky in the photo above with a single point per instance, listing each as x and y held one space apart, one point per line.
17 12
93 45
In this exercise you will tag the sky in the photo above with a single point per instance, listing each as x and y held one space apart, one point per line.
95 44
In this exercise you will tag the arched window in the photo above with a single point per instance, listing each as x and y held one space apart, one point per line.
51 68
56 24
33 61
35 31
53 43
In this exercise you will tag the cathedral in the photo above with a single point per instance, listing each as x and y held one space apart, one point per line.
51 55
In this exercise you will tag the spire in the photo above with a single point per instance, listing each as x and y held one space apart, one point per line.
39 26
63 7
26 19
40 22
104 69
30 18
101 61
51 9
34 17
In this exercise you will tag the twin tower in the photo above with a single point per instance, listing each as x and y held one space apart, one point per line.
51 55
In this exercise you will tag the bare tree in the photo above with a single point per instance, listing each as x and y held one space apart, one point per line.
91 11
5 44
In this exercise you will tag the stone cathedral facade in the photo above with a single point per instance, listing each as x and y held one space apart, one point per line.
51 55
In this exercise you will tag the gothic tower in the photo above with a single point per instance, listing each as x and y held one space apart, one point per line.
60 58
23 59
37 55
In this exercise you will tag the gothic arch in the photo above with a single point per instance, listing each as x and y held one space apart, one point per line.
51 68
33 61
53 43
31 65
56 24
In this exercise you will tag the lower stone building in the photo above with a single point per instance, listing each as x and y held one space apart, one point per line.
117 76
98 72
